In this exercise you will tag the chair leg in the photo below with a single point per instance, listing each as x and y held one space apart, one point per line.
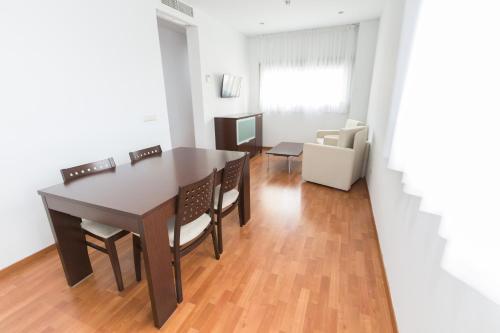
178 280
113 257
219 232
136 241
214 240
240 215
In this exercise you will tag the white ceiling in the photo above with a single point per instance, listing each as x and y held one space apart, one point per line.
246 15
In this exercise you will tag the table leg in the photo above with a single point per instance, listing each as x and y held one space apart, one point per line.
70 242
158 264
288 160
244 203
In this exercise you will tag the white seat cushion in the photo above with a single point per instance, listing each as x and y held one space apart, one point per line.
320 140
331 140
188 231
346 137
99 229
229 197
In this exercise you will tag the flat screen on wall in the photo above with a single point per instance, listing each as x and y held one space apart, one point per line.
230 86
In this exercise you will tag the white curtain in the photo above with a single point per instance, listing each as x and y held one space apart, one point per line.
307 70
446 137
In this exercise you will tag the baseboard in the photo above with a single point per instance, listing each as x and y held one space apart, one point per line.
387 290
29 259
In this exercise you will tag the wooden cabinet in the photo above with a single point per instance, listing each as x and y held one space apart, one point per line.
227 136
258 135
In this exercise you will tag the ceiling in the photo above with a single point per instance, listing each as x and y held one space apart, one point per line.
246 15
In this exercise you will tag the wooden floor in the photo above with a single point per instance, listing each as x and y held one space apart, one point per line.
308 261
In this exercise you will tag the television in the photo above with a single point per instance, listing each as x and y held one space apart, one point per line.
230 86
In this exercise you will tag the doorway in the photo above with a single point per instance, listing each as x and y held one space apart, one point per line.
175 63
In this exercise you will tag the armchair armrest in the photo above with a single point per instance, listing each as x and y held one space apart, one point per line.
328 165
322 133
331 140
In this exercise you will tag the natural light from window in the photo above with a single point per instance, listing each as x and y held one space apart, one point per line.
446 139
305 89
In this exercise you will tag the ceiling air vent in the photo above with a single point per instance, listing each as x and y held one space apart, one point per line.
179 6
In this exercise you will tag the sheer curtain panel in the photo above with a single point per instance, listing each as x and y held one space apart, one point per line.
307 71
446 139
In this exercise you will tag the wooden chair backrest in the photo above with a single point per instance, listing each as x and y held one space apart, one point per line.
195 200
138 155
231 175
88 169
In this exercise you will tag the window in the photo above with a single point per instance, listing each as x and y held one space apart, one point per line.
307 71
306 89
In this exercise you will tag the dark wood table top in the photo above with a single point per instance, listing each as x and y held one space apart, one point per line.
138 188
287 149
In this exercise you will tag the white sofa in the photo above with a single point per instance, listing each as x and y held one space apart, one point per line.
331 137
340 165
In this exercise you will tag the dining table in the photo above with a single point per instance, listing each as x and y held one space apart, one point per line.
140 198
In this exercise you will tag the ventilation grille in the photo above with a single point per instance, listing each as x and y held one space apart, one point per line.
179 6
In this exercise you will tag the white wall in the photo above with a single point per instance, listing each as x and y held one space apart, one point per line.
77 81
214 49
426 298
174 51
363 69
302 127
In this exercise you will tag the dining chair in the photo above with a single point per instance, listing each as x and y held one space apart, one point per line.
136 156
102 232
193 222
227 195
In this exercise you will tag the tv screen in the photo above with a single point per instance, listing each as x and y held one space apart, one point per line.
230 86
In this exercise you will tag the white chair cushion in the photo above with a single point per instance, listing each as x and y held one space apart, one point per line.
228 199
99 229
320 140
350 123
188 231
346 137
331 140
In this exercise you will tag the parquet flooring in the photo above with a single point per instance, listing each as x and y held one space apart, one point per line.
308 261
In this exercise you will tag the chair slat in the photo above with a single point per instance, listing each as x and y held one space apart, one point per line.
195 200
231 175
88 169
138 155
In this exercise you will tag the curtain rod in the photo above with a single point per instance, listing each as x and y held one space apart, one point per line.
310 29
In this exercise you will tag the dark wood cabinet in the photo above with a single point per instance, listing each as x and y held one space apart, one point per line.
226 133
258 135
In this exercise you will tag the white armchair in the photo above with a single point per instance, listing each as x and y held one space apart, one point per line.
330 137
340 165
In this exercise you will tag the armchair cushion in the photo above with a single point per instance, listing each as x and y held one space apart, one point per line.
346 137
331 140
322 133
350 123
